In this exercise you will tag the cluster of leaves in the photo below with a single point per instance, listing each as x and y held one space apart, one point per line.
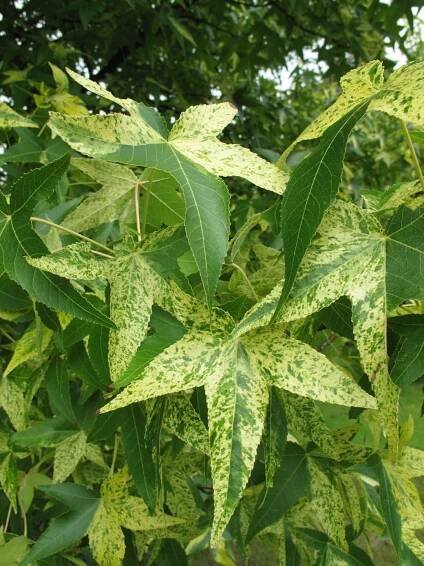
186 372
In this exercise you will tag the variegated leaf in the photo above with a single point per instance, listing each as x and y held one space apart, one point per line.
9 118
12 400
327 504
182 420
75 261
194 134
67 456
29 346
237 398
293 365
182 366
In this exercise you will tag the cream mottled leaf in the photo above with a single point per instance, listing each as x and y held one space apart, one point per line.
67 456
182 366
133 285
119 509
293 365
107 203
30 346
203 120
9 118
107 542
75 261
306 423
146 117
182 420
12 400
347 258
194 134
9 479
328 504
402 94
117 137
237 397
357 85
409 504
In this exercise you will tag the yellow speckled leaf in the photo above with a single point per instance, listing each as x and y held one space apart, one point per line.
357 85
12 400
107 203
107 542
29 346
182 366
75 261
237 398
9 118
293 365
149 134
402 95
328 504
67 456
194 134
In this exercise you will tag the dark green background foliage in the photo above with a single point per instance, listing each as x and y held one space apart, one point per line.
278 62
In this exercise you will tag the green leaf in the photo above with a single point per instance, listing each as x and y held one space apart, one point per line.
138 456
311 190
388 505
46 433
18 240
405 256
291 482
57 385
408 357
13 551
68 529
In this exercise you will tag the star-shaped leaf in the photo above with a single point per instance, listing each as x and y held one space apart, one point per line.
236 370
191 154
135 284
355 257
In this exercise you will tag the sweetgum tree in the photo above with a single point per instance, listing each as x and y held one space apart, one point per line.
209 355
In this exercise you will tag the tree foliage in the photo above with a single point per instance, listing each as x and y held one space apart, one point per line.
200 365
